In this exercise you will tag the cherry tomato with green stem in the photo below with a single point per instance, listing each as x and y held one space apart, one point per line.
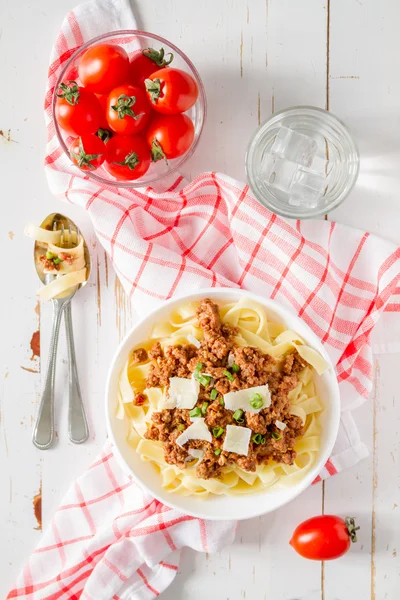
169 136
128 157
128 110
144 63
104 132
171 91
77 111
324 537
103 67
88 152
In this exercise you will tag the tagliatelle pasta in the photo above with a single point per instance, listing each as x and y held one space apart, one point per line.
60 253
252 328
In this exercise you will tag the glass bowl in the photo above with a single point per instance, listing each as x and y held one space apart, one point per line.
132 40
302 162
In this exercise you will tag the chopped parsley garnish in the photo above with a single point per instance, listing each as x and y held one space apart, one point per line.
204 407
222 402
238 416
213 394
228 375
195 412
217 451
235 368
217 431
256 401
203 379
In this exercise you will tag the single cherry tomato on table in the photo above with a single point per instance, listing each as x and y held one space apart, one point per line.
171 91
145 62
77 111
169 136
128 110
128 157
103 67
88 152
324 537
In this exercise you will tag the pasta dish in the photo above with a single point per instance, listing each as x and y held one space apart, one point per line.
221 400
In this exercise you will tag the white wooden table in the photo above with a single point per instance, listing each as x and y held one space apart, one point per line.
255 57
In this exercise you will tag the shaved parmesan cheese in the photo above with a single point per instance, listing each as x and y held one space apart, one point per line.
231 359
183 393
237 439
280 425
196 431
167 403
192 340
62 284
241 399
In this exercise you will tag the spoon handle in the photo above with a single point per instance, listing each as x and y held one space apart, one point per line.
78 430
43 434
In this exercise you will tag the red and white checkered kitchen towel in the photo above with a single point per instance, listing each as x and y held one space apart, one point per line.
109 539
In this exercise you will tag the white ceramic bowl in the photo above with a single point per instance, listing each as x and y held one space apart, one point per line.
220 507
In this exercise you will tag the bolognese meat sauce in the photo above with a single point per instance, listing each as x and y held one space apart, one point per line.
252 367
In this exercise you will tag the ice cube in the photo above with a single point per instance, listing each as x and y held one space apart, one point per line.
307 188
321 165
278 173
294 146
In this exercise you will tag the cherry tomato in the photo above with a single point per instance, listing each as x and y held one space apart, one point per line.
128 157
103 67
324 537
104 132
102 98
88 152
128 110
169 136
171 91
77 110
145 62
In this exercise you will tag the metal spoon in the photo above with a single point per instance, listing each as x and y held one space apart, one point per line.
43 434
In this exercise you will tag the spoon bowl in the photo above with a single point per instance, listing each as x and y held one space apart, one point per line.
53 222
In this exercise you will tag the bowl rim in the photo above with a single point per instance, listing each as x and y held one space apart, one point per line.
281 310
202 98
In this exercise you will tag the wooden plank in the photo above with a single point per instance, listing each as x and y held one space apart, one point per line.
364 92
350 494
227 41
385 521
255 57
273 57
